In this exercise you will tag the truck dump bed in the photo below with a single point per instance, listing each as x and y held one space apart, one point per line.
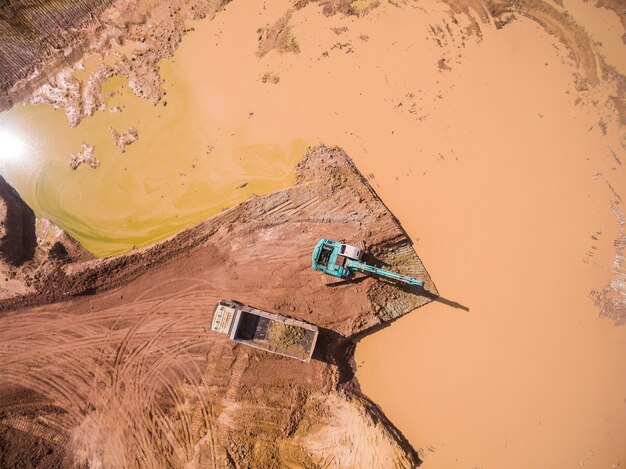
266 331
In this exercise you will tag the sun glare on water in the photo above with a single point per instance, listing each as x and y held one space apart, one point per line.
12 147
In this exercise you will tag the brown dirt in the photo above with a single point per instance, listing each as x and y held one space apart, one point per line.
26 449
122 140
129 373
33 31
85 156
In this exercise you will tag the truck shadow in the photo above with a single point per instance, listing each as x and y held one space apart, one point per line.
336 350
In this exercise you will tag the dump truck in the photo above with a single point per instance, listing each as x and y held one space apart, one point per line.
265 331
343 260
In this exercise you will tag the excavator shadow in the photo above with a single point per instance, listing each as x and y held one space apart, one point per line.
436 298
338 350
412 289
348 281
415 290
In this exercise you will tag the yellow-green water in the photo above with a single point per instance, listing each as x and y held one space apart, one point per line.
184 167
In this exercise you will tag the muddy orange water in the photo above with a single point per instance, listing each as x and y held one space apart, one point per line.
502 175
514 221
604 29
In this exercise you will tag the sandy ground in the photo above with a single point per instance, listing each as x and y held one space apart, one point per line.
126 373
496 134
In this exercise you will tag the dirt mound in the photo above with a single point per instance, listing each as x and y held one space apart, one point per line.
26 449
137 378
285 335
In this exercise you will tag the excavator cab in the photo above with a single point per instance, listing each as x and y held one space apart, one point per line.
329 257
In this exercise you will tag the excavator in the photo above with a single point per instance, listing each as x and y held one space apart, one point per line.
342 261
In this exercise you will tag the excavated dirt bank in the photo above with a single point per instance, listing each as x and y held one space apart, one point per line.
126 372
31 32
36 41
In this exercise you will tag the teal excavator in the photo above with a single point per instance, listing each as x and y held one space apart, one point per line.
342 261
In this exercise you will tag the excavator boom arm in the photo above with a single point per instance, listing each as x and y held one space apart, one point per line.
369 269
